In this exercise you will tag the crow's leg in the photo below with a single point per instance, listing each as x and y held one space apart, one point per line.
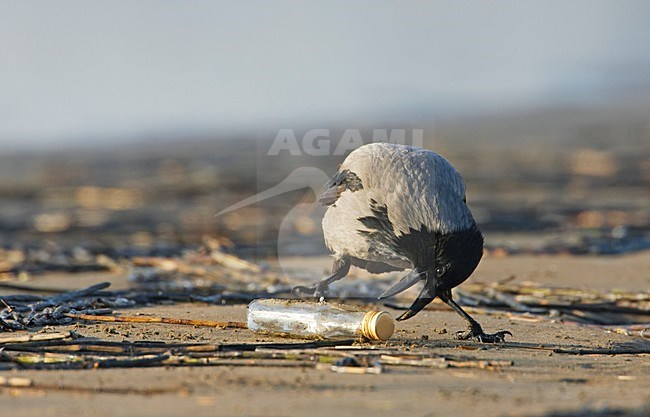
474 331
340 269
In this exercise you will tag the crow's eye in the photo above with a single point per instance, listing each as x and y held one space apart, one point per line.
440 271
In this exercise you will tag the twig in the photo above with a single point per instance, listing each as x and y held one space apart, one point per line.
71 295
641 330
443 362
147 360
604 351
84 390
374 369
36 337
511 302
164 320
28 288
15 382
217 361
303 345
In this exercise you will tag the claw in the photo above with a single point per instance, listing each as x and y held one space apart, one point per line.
317 291
498 337
301 290
476 333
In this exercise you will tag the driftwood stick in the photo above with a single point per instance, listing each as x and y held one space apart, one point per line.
216 361
604 351
511 302
15 382
164 320
135 362
29 288
35 337
67 296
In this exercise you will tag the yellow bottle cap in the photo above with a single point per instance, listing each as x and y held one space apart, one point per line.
377 325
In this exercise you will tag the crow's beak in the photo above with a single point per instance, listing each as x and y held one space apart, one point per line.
427 295
404 284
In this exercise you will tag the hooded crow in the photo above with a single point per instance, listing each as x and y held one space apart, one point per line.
393 207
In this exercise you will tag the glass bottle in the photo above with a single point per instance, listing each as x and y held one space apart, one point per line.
314 320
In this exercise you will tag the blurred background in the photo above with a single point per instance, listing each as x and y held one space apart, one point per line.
126 126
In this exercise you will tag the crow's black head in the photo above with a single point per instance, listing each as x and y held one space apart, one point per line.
454 258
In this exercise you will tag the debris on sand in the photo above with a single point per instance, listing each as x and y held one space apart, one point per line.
73 351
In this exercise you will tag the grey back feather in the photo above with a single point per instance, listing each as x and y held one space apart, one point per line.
417 186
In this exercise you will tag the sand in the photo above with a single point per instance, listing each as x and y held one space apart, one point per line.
540 382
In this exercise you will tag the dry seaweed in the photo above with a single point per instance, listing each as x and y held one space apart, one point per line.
71 351
21 313
532 302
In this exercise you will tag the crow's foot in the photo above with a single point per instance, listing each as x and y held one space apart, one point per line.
475 332
319 290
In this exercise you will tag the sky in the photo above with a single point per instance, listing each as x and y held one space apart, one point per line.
83 71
